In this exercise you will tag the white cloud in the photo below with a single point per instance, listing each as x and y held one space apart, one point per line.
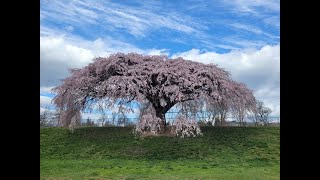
250 6
258 68
60 51
56 49
157 52
45 90
141 21
267 11
273 21
138 21
270 95
56 56
243 43
69 28
45 101
251 29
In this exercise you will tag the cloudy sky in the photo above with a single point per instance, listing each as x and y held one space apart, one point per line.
242 36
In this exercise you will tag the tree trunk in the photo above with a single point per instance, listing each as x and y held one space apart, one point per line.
160 114
161 111
223 117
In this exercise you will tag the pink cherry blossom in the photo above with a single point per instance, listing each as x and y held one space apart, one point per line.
159 81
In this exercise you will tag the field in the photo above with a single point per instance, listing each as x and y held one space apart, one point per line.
114 153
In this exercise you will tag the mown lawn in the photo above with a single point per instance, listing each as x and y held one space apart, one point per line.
114 153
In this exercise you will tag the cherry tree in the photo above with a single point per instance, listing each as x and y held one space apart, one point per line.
160 82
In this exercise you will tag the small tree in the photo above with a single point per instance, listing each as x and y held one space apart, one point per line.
262 113
122 119
89 123
44 117
103 119
47 117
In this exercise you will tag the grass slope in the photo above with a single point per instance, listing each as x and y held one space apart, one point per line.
114 153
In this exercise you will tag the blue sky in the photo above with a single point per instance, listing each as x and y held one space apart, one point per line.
241 36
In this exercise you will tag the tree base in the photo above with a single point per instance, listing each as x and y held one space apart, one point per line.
149 134
168 132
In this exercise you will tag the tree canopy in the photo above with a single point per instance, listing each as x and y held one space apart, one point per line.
159 81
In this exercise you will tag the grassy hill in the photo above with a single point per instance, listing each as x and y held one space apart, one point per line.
114 153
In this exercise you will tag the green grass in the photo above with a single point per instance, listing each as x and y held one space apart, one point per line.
114 153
